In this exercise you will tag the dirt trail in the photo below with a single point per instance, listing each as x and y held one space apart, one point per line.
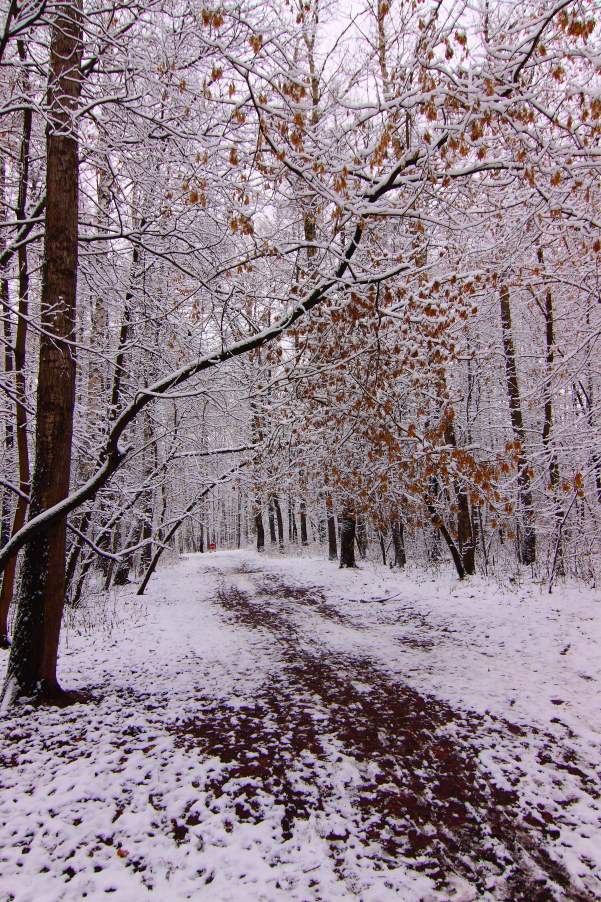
332 732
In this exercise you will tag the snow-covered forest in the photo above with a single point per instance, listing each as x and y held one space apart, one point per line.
314 282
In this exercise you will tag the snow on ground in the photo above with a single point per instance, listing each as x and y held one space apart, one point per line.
275 728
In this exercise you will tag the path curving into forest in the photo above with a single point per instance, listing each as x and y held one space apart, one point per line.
419 795
254 732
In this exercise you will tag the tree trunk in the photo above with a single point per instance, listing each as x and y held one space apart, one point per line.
259 529
150 466
397 530
347 539
279 521
122 536
547 436
9 437
465 534
332 543
292 530
548 409
271 519
382 547
527 544
238 520
303 523
33 656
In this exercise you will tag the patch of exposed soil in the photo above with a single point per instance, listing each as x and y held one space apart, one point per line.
312 597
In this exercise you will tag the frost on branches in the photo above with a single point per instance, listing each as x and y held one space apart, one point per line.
270 269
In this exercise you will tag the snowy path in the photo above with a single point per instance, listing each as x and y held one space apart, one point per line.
277 729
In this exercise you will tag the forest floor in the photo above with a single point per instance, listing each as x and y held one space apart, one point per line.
266 728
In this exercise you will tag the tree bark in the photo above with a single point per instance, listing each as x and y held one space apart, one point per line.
271 519
292 530
259 530
382 541
150 466
548 395
303 523
397 530
279 521
527 544
332 542
347 538
465 532
33 656
547 436
9 436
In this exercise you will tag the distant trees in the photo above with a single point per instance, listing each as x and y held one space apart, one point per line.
395 393
361 260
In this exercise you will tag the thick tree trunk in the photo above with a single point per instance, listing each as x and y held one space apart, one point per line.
259 530
347 538
332 542
33 657
397 530
527 544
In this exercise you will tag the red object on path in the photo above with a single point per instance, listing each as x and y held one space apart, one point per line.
212 546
